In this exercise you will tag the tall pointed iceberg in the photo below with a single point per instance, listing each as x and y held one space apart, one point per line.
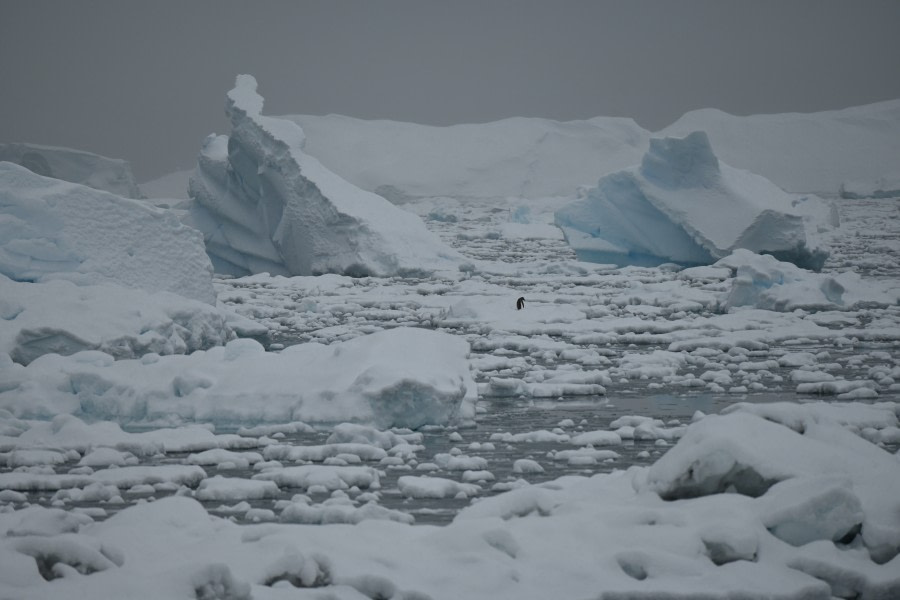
263 204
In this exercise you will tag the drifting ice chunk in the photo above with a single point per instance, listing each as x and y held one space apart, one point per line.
265 205
682 205
764 282
60 317
402 377
50 229
801 476
76 166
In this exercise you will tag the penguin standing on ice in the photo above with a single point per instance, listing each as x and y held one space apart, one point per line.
520 303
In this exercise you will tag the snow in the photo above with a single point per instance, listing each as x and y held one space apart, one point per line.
75 166
50 229
683 205
265 205
813 152
401 377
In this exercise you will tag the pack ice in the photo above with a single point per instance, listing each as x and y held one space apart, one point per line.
264 205
51 229
683 205
76 166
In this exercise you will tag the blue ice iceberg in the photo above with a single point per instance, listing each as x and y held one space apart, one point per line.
683 205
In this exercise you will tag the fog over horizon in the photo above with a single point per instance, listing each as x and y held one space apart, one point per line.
146 82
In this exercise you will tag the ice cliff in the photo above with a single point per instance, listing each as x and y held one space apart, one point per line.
76 166
263 204
683 205
52 229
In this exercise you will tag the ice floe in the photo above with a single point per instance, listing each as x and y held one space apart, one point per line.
53 229
401 377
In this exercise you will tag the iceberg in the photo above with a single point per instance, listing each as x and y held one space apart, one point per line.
883 187
75 166
265 205
761 281
811 152
51 229
683 205
516 157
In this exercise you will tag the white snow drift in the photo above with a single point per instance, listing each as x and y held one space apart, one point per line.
263 204
683 205
76 166
51 229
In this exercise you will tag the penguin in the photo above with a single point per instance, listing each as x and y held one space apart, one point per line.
520 303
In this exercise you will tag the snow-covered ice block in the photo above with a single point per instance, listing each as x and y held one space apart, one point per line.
324 476
435 487
340 512
683 205
51 229
762 281
264 204
804 509
744 453
60 317
404 377
235 488
75 166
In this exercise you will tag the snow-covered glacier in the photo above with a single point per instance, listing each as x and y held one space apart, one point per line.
264 205
75 166
683 205
52 229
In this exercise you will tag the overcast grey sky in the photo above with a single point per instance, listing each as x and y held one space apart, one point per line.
146 80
